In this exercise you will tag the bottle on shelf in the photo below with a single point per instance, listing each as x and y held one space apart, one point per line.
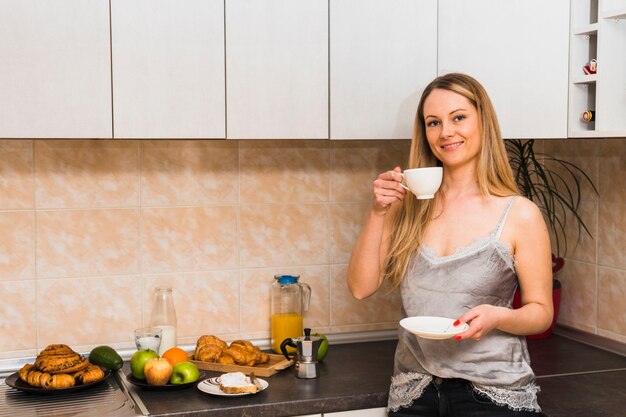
164 317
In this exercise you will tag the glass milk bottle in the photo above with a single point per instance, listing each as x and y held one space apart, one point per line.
164 317
290 299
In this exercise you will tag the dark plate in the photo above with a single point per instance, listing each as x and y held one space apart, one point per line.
167 387
14 381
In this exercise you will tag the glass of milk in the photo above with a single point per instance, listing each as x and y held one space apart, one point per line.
148 338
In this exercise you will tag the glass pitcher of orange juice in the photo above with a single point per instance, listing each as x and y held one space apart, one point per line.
290 299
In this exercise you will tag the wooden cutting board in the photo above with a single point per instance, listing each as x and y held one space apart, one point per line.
275 364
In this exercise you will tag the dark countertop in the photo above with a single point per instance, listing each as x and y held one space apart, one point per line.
352 376
575 379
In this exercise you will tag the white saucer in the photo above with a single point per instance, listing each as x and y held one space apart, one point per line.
211 386
432 327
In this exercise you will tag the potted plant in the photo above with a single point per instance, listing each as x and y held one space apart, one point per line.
555 186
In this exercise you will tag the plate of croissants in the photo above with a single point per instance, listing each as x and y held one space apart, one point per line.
57 369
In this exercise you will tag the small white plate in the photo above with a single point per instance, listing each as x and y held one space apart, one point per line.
432 327
211 386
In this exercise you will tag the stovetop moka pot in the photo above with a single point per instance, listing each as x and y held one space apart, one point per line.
306 353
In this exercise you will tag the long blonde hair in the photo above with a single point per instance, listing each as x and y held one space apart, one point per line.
494 174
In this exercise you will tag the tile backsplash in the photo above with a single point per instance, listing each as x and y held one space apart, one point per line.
89 228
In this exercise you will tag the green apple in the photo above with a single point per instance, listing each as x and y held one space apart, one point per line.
138 361
323 349
184 373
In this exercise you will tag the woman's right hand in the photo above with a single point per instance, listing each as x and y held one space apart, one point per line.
387 190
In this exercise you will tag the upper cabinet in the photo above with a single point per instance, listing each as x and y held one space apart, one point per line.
277 69
597 105
382 55
168 68
518 49
55 70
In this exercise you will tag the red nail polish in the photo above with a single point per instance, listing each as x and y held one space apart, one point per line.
457 337
456 323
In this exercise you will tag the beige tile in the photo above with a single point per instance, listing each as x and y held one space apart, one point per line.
205 302
17 246
578 294
581 246
188 239
17 190
355 165
611 236
575 153
17 316
74 243
283 234
83 312
567 148
284 171
610 335
256 287
584 328
382 307
178 173
611 296
346 221
86 174
613 171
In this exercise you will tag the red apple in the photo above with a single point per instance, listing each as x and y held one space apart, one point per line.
158 371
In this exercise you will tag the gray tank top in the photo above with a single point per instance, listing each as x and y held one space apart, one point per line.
497 365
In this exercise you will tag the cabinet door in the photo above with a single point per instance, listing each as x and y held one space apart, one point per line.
277 69
168 68
55 69
382 55
518 50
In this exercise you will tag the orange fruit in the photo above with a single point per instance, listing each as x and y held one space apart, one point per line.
175 355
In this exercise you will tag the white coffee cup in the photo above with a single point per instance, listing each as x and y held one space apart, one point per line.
423 182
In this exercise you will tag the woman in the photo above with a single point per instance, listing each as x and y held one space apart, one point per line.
461 255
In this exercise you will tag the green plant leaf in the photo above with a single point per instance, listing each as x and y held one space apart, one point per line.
554 185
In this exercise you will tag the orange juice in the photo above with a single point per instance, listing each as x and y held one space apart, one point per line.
285 325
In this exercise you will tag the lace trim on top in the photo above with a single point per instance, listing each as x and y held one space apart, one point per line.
409 386
504 250
522 398
406 388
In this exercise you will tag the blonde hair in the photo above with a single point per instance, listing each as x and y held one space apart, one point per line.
494 174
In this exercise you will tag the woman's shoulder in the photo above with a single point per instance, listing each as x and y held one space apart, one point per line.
525 212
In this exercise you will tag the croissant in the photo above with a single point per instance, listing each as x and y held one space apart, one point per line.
209 348
240 352
57 349
60 381
91 373
226 360
61 364
245 353
37 378
23 373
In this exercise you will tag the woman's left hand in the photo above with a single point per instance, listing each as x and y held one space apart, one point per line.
481 319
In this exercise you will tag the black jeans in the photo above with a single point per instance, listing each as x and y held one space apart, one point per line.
456 398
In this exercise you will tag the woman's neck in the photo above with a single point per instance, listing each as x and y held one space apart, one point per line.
460 182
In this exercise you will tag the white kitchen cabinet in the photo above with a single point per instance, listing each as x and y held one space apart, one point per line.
518 49
369 412
277 69
598 32
55 70
168 68
382 55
